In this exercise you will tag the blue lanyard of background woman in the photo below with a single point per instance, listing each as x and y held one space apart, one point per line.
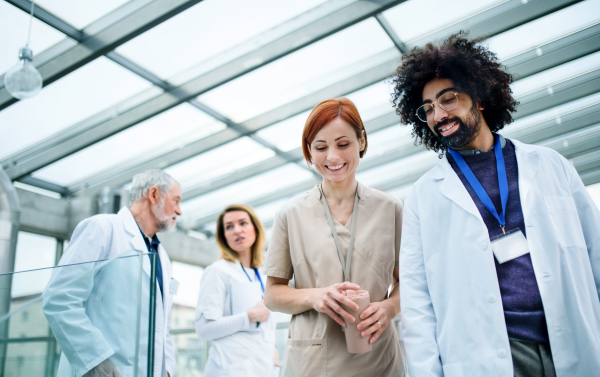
479 190
257 275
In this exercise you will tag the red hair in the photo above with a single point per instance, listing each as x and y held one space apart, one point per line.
323 114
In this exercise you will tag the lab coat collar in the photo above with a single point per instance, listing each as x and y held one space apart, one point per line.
453 188
138 244
527 162
132 228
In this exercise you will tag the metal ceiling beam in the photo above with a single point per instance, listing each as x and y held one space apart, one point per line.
92 46
493 21
559 94
571 47
389 30
498 19
534 134
62 146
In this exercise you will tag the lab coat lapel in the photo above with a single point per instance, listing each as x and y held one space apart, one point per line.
527 163
162 254
453 188
137 241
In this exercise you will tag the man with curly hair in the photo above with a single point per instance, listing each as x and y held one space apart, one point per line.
500 251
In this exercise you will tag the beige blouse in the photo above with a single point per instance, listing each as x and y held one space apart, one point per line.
302 246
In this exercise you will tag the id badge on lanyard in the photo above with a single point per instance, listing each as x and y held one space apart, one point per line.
509 245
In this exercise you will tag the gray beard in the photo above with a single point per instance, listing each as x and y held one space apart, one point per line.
165 223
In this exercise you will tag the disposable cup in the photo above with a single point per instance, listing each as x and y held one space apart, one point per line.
354 341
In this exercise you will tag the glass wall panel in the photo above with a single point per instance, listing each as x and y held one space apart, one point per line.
416 19
80 13
92 88
213 26
218 162
340 56
165 132
14 26
34 251
546 29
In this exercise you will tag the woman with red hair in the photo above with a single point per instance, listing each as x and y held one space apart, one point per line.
339 236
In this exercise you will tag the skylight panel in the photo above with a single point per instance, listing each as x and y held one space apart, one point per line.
207 29
90 89
287 134
556 75
80 14
415 19
244 191
535 34
388 139
373 101
14 26
158 135
218 162
340 56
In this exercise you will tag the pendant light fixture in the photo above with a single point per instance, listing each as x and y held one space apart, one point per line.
23 80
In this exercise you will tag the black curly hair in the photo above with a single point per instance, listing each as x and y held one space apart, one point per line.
471 67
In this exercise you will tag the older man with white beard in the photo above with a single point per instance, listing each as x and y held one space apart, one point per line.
92 308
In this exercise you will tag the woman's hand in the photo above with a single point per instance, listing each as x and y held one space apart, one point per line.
376 318
259 313
327 300
276 356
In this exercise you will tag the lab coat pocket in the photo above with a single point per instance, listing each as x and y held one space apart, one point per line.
453 370
563 214
306 357
241 368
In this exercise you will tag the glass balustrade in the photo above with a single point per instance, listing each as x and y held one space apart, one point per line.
65 320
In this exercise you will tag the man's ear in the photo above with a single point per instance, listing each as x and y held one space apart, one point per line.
154 195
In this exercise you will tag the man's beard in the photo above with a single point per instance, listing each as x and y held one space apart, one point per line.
467 130
165 222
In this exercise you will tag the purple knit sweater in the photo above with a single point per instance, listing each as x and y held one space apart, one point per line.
521 300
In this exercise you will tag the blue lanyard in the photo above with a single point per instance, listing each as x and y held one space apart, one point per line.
479 190
257 275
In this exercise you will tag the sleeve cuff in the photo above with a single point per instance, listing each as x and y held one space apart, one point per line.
279 274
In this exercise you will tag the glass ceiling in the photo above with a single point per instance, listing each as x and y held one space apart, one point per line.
165 132
546 29
340 56
80 13
166 49
416 19
217 165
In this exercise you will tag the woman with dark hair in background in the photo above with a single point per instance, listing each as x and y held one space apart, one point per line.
315 234
231 312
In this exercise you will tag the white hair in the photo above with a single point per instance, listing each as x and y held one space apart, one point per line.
143 182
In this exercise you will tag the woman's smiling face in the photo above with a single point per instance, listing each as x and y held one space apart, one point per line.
335 151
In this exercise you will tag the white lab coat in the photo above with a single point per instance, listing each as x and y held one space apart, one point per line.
247 353
452 317
94 317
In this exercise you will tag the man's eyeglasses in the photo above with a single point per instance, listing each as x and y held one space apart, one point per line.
447 101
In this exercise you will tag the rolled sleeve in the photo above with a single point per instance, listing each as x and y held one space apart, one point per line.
279 261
